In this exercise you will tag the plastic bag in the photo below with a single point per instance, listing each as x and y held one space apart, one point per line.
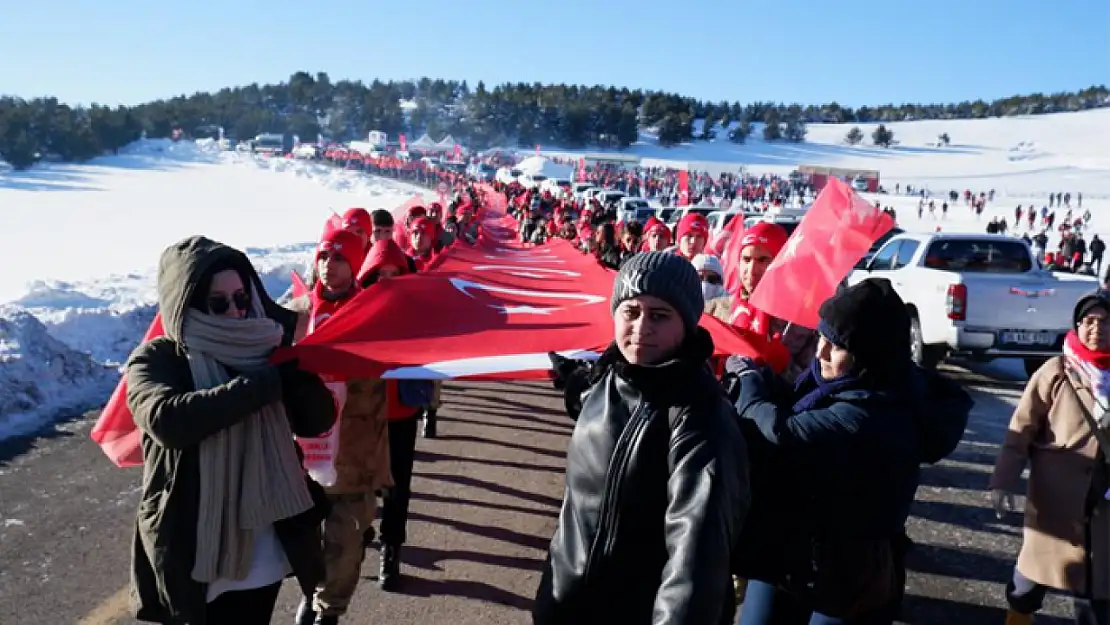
320 452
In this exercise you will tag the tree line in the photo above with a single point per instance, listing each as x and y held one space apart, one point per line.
522 114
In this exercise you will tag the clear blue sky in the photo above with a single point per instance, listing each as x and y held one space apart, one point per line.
853 51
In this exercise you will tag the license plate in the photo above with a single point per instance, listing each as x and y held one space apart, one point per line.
1028 338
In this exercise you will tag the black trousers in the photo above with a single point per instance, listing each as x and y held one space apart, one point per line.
395 503
244 607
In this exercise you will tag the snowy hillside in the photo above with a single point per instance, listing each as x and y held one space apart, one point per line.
80 242
1019 156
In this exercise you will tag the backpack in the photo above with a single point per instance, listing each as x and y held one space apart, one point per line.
942 421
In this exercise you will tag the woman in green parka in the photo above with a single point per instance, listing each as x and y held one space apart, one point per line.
227 510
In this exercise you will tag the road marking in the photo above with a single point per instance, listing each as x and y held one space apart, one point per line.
110 610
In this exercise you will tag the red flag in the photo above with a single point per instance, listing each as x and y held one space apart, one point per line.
115 429
732 235
404 144
836 232
683 188
537 149
335 222
458 152
509 306
582 170
400 234
299 287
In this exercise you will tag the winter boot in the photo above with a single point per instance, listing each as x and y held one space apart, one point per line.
429 423
1017 618
368 537
305 614
389 568
330 619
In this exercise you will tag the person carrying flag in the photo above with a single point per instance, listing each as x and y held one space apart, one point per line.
758 246
362 458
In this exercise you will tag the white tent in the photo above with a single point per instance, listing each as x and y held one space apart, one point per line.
538 165
448 143
424 143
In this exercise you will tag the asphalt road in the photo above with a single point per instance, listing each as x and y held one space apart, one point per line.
486 494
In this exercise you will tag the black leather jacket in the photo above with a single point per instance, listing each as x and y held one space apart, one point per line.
656 492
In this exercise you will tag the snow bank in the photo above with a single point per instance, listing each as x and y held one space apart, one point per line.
42 378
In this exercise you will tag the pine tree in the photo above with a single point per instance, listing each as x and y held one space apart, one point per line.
708 133
628 127
772 128
854 136
671 131
795 130
740 133
882 136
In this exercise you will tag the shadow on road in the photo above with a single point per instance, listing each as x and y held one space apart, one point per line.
423 587
509 491
486 531
489 505
430 559
431 456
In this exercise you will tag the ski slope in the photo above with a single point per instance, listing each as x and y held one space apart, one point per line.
80 242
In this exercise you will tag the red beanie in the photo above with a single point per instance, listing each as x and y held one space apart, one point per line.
414 212
765 234
693 223
345 244
382 253
425 224
358 218
653 224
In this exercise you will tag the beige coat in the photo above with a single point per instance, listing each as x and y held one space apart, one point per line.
362 464
1049 431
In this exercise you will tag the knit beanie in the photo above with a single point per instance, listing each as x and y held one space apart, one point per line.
765 234
871 322
692 223
669 277
1089 302
357 218
345 244
707 262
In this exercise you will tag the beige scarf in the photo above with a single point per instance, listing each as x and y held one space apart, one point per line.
250 476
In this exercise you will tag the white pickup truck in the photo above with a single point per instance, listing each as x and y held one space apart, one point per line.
979 296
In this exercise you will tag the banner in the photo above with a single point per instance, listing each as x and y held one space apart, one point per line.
490 312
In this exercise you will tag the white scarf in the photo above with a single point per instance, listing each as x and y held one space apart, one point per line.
250 475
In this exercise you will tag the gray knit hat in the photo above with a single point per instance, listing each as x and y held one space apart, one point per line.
665 275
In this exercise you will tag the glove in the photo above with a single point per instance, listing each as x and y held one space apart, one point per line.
1002 501
739 365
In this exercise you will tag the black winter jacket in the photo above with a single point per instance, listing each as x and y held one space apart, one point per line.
656 492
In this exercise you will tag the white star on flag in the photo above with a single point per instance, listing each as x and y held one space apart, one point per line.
790 250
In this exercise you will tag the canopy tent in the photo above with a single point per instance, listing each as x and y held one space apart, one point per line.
448 143
424 143
538 165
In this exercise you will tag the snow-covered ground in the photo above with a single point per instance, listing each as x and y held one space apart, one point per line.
80 242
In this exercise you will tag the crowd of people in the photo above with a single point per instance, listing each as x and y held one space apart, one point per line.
693 484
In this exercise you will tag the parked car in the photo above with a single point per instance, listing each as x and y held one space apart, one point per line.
980 296
895 231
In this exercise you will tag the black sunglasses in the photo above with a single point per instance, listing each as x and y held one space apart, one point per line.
219 304
711 278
